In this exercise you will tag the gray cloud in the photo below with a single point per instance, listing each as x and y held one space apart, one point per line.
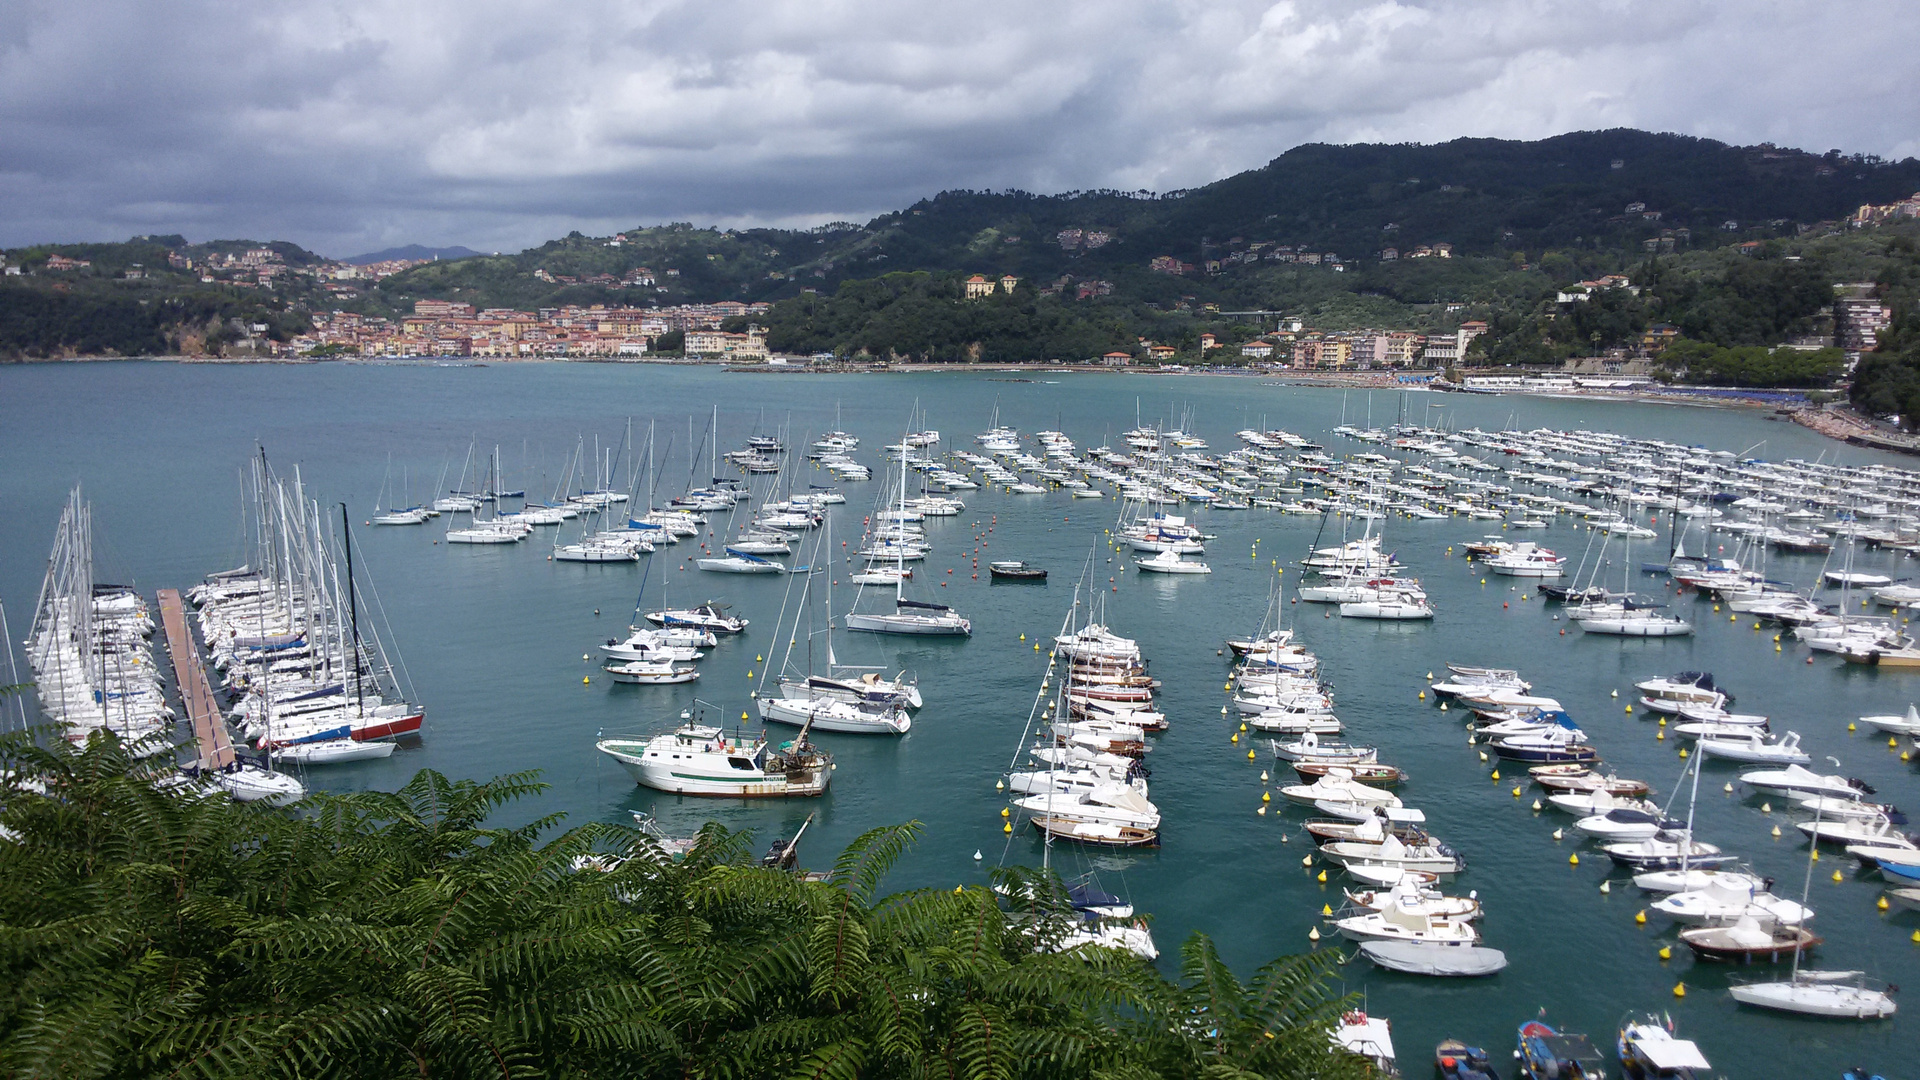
352 124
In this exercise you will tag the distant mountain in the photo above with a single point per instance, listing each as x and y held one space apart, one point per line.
411 251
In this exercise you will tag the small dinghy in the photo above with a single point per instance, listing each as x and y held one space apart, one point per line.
1746 939
1453 1059
1014 571
1444 961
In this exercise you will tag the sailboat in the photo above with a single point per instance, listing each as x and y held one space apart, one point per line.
909 616
827 703
1839 994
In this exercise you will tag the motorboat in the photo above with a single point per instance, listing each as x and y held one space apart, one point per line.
1429 958
1407 919
1390 605
1170 562
1623 823
1309 747
1597 801
1667 695
1837 809
1337 788
1370 1037
1547 1054
1908 724
1666 852
1877 832
1747 939
1747 744
1726 900
1432 856
1695 879
881 575
709 616
1795 780
1582 778
650 672
1555 747
1462 679
698 759
1110 815
1526 560
1417 895
1649 1050
1838 994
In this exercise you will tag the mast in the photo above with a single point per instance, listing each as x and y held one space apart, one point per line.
353 608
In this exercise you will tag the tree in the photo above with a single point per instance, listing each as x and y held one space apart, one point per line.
150 928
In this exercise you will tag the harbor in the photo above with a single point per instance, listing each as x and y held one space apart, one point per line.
503 651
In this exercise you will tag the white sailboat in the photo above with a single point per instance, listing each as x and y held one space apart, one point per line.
909 616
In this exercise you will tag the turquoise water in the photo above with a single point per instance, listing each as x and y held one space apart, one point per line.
493 638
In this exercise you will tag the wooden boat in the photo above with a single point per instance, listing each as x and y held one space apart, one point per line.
1367 772
1576 777
1014 571
1745 941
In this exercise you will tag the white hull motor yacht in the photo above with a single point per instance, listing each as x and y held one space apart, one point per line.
650 672
1169 562
1750 745
696 759
1795 780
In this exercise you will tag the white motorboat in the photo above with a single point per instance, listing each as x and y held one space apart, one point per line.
1621 823
881 575
1794 780
1170 562
834 714
1838 994
1747 744
1418 895
1725 900
1694 879
1650 1051
1878 832
1390 605
1370 1037
1596 801
1407 920
1835 808
1111 814
650 672
1668 694
708 616
1897 595
1308 747
1527 560
1431 856
1908 724
696 759
1855 579
1337 788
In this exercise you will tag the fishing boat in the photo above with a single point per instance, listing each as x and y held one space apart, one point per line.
1546 1054
698 759
1407 922
1370 1037
1014 571
1650 1051
1453 1059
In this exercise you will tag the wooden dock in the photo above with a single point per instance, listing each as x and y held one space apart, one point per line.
190 674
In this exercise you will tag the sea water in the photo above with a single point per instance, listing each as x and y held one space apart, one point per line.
497 640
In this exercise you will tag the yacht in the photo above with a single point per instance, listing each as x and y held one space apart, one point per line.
697 759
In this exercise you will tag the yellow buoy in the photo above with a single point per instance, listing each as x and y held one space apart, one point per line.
1766 808
585 680
1814 855
1659 736
1235 738
1666 952
1322 878
1249 755
1496 774
1004 812
1663 721
1776 832
1629 708
1849 725
1266 796
1516 791
1023 637
1836 876
1640 917
1008 827
1881 903
1679 989
1243 727
1326 909
1573 859
1916 937
1683 751
1423 695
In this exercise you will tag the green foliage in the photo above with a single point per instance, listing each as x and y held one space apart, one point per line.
151 931
1752 365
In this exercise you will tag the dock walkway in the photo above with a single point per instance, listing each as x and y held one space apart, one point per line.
190 673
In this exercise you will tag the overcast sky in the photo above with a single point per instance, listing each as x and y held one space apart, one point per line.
350 125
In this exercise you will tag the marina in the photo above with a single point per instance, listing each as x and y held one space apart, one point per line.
504 649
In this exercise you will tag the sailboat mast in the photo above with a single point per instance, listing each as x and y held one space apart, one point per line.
353 607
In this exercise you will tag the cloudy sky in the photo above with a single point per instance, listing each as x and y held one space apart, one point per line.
348 125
